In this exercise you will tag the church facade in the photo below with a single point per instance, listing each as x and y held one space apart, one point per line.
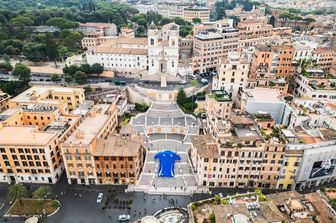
143 56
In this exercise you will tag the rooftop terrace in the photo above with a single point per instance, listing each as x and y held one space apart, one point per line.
220 95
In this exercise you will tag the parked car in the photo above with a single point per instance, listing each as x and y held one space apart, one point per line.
124 217
204 81
192 76
183 82
100 198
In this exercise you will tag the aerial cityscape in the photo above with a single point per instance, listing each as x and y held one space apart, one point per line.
167 111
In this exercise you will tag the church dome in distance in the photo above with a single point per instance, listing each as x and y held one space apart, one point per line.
174 27
152 26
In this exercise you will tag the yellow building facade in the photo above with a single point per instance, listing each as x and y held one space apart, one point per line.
72 97
290 169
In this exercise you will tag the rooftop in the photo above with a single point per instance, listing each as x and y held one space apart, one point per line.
263 94
38 108
118 146
206 146
220 95
9 113
91 125
84 108
24 135
37 91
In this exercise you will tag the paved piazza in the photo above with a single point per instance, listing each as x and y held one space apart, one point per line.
166 127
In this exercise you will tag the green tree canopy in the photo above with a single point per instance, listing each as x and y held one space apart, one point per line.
52 49
97 68
62 23
68 79
23 72
181 97
73 40
42 192
196 20
56 77
17 192
86 68
80 77
34 52
20 21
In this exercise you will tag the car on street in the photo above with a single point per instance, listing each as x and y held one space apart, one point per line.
192 76
204 81
100 198
183 82
124 217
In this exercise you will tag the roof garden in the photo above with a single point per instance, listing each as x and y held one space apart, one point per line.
220 95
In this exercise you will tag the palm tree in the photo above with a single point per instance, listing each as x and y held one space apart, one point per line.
17 191
42 192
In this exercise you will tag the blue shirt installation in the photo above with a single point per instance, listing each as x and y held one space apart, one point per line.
167 160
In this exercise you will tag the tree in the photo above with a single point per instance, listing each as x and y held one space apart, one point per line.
97 68
52 49
63 52
70 70
73 40
141 107
55 78
86 68
23 72
181 97
165 21
62 23
42 192
309 20
141 22
80 77
6 67
34 52
17 192
68 79
196 20
20 22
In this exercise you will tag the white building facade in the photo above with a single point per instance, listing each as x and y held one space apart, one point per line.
142 56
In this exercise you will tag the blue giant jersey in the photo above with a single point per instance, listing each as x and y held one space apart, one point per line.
167 160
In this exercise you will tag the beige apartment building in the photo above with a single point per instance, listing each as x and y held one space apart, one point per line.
119 159
94 155
187 13
232 74
29 155
253 32
325 58
4 98
238 156
78 149
208 26
271 65
72 97
282 60
218 103
210 46
261 64
202 13
31 131
96 33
